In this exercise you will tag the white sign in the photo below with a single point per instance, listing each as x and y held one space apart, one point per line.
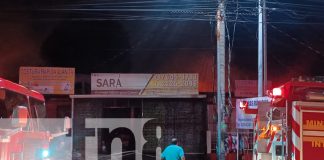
144 84
245 121
107 81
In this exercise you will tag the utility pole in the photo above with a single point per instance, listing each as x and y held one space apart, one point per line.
220 33
262 58
265 53
260 50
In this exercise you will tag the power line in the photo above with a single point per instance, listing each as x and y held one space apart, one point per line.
298 41
197 10
297 5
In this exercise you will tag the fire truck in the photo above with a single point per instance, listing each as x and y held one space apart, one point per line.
21 134
291 126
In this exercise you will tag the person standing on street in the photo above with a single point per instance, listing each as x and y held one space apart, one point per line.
173 151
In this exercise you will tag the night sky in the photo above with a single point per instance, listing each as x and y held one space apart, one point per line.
145 36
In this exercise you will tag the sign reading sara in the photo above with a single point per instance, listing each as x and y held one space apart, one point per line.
48 80
144 84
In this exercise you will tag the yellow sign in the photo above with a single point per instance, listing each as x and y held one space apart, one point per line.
48 80
166 84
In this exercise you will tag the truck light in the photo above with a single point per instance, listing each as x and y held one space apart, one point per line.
45 153
274 128
313 96
277 92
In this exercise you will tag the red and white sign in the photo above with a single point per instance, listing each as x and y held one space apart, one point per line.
243 120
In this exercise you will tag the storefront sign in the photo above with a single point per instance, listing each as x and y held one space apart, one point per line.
48 80
144 84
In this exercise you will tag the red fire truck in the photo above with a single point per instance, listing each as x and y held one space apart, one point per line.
21 136
291 127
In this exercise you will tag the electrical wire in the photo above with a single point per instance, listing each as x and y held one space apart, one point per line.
130 10
230 48
298 41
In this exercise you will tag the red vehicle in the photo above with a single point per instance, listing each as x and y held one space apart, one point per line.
21 137
291 127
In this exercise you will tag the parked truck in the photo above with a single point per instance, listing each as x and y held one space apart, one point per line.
22 137
291 126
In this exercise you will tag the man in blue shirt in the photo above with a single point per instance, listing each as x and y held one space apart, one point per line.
173 151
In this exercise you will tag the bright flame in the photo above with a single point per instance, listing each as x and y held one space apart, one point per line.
274 128
277 92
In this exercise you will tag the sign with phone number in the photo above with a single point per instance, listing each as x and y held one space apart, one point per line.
48 80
